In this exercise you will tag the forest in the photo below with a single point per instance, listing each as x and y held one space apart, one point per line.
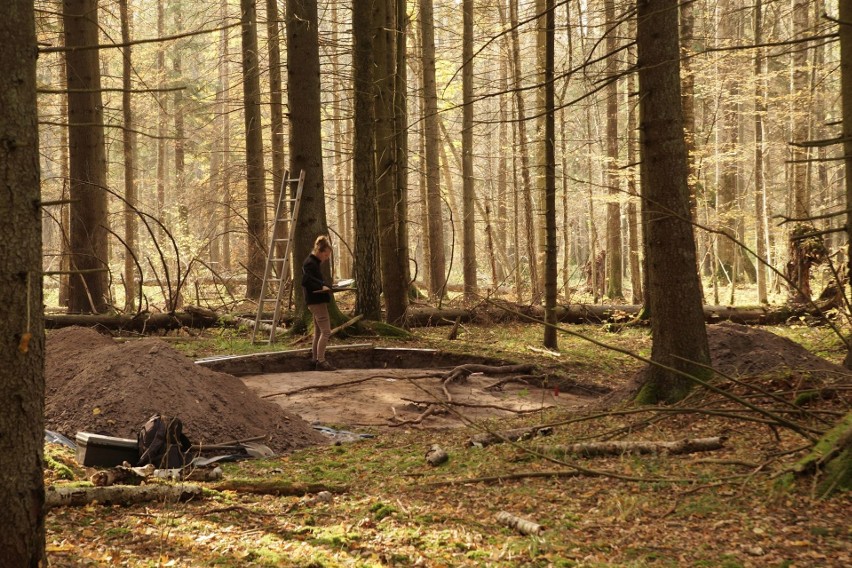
498 168
460 125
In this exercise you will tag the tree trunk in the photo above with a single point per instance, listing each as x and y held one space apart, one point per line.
21 327
529 222
761 225
343 255
89 221
225 114
180 189
845 15
614 257
728 134
276 114
162 126
437 258
550 249
303 93
129 147
401 134
366 269
468 192
674 295
637 295
255 173
394 289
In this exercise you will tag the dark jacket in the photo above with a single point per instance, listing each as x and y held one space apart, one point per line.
312 282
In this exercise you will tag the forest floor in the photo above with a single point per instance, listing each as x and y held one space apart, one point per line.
373 500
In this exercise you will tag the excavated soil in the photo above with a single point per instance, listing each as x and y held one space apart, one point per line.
740 350
96 385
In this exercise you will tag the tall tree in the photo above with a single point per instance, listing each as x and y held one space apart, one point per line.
303 98
386 35
550 251
129 147
366 269
22 539
255 174
845 17
614 258
761 229
88 169
468 195
437 258
529 221
674 296
276 107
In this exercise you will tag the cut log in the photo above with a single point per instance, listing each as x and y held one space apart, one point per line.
617 448
120 494
523 526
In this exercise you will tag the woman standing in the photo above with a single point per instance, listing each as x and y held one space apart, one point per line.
317 297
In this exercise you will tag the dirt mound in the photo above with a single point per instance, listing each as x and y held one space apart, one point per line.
95 385
740 350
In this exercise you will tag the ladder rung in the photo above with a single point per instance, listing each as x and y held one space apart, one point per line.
281 240
277 259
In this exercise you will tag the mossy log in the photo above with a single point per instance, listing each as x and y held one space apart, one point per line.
620 447
831 459
120 494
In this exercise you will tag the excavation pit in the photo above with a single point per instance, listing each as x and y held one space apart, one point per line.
393 387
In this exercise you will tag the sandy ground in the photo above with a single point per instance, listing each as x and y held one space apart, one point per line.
354 398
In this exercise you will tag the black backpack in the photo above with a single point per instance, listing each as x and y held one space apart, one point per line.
162 443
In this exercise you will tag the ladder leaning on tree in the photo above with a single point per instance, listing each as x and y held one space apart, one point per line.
277 270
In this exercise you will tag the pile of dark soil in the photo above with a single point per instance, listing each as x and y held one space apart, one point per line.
743 351
95 385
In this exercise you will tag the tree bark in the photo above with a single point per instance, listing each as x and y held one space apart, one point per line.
529 222
614 259
276 114
121 495
550 247
303 93
394 288
22 539
129 146
89 221
468 191
674 294
761 225
845 15
366 269
436 255
255 173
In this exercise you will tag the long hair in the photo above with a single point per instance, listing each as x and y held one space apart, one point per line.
322 244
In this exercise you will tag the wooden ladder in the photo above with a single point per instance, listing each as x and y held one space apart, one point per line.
278 268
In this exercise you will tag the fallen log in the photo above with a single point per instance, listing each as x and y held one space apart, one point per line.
120 494
515 435
594 313
523 526
140 323
617 448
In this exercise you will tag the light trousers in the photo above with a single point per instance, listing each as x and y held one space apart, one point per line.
322 330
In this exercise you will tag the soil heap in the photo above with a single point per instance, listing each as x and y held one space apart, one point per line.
740 350
95 385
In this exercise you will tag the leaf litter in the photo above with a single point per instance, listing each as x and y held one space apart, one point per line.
390 508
